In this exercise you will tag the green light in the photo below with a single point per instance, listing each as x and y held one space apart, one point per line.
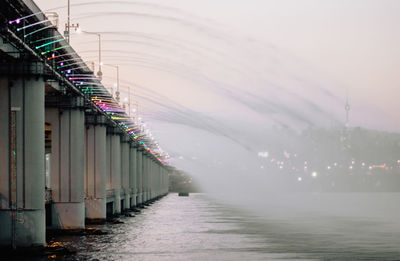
46 44
58 48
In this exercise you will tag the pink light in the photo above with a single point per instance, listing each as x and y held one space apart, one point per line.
17 21
83 78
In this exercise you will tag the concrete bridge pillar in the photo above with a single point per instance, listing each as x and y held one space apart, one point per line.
153 179
67 164
95 168
132 174
22 174
165 181
125 177
148 177
155 182
139 177
114 165
160 176
160 192
162 180
144 176
158 179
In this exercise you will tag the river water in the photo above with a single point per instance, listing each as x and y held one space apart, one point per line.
200 228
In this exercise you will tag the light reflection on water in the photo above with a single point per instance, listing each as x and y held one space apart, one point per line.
197 228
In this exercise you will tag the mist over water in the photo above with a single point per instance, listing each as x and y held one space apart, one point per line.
199 228
249 98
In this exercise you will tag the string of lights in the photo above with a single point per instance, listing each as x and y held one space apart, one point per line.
75 70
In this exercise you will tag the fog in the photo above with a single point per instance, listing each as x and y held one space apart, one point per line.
249 97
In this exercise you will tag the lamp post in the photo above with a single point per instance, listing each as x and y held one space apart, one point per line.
117 98
80 31
99 73
69 12
136 111
68 25
129 101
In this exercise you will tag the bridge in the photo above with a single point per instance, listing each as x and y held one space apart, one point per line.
69 152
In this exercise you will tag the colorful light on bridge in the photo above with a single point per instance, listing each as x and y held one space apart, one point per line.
88 84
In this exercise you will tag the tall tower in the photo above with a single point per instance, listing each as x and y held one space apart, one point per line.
347 109
345 133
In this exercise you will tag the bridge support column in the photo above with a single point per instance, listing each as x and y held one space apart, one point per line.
149 177
153 190
162 177
132 175
144 176
165 181
67 166
22 191
125 182
95 168
114 166
155 179
139 176
158 179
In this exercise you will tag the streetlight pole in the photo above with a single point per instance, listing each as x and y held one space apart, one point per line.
76 27
99 73
117 98
129 90
136 111
67 31
69 12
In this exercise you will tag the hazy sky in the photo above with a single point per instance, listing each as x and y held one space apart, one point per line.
213 77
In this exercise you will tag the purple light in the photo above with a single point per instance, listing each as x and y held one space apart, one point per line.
17 21
68 71
10 22
53 55
61 64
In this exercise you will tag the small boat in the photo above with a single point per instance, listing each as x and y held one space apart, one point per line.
183 194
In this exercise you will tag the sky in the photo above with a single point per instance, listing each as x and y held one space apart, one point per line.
217 81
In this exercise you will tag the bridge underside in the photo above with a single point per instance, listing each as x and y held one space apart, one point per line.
58 149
